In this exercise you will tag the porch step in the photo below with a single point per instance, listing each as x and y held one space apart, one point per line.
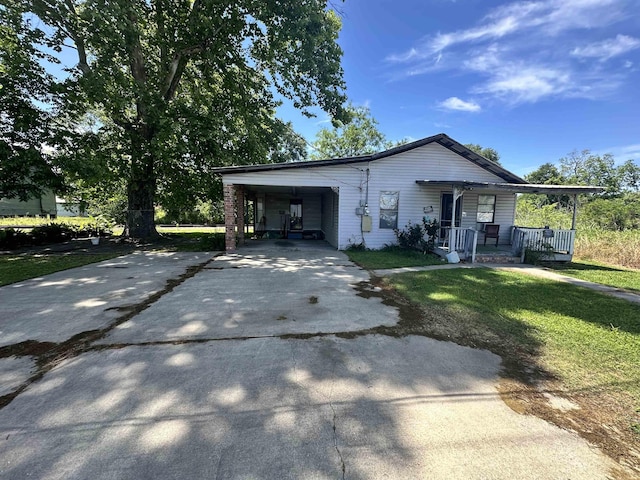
496 258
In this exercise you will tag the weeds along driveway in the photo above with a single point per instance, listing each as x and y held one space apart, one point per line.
208 380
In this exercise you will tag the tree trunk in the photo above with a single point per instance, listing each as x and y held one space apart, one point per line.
141 187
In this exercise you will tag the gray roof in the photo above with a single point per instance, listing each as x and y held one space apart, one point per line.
440 138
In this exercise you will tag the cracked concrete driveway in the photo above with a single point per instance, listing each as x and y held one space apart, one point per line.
191 367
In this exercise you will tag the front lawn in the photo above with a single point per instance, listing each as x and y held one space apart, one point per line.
14 268
392 258
576 342
619 277
587 339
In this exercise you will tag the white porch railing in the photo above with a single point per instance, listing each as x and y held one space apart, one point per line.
463 241
523 238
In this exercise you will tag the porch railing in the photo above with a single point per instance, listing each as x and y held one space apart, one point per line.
463 241
524 238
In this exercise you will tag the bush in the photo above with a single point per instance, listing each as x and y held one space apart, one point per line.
416 236
51 233
11 238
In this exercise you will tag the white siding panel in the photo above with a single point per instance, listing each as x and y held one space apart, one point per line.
397 173
330 217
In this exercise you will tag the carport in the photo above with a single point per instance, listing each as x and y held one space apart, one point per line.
281 211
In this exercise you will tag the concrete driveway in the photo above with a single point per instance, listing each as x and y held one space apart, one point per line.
189 366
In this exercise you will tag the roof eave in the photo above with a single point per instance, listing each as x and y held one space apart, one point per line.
515 187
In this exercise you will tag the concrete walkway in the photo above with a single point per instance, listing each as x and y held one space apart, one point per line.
259 364
520 268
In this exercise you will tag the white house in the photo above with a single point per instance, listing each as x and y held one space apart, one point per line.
363 199
42 205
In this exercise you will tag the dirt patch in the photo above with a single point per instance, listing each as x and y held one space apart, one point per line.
26 348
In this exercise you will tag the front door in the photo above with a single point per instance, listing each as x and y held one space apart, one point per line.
445 212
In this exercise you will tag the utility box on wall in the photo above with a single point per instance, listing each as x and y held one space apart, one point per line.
366 223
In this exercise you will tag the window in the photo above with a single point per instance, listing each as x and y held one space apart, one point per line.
486 208
389 209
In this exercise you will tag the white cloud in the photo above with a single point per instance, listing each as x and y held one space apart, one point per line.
512 53
455 103
622 153
608 48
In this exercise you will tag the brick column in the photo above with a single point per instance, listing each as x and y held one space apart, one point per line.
229 218
240 215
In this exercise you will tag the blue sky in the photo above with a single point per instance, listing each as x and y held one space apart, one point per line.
532 79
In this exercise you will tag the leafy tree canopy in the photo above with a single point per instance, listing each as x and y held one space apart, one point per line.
358 137
487 152
25 166
179 87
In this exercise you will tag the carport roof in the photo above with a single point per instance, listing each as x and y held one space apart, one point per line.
440 138
514 187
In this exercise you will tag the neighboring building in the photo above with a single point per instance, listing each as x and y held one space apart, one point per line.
69 209
44 205
363 199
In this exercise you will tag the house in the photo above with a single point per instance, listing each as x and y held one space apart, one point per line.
361 200
43 205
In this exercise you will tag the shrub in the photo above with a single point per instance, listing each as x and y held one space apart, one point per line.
416 236
11 238
51 233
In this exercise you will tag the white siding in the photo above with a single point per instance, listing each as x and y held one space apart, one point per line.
396 173
504 213
330 217
44 205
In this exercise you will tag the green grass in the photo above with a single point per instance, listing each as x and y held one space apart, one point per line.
587 340
18 268
392 258
618 277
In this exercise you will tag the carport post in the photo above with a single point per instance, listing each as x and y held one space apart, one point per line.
240 216
229 217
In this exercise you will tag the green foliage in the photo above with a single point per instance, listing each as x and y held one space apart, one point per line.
585 168
45 234
178 88
26 167
360 136
204 213
613 213
487 152
532 211
416 236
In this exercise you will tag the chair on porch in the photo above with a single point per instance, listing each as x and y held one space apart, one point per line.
491 231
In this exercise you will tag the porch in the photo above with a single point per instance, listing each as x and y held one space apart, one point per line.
544 243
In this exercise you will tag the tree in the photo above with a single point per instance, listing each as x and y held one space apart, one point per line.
183 86
25 163
585 168
548 174
487 152
358 137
